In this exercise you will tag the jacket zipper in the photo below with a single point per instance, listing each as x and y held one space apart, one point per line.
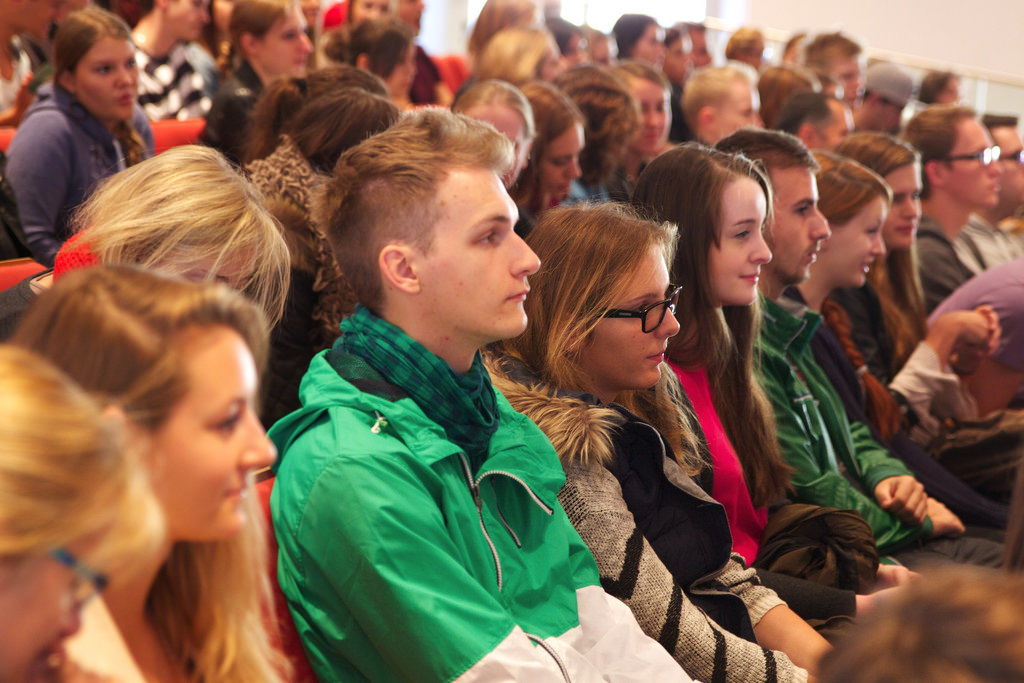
538 641
474 490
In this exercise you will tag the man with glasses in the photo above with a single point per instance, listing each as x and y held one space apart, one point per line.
887 90
982 244
958 176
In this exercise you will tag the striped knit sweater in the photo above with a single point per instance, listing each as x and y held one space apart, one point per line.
584 434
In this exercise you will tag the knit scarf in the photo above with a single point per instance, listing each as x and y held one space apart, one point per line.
463 404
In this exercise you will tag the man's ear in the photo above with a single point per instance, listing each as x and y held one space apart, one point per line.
397 263
808 135
363 61
935 171
705 118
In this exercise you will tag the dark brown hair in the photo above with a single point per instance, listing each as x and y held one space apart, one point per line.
685 185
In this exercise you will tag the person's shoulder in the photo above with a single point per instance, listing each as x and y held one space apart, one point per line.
13 303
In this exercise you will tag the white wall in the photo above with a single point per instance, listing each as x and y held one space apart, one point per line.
981 34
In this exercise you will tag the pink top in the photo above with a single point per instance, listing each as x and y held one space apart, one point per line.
745 521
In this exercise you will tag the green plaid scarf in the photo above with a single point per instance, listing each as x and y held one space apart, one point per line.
464 405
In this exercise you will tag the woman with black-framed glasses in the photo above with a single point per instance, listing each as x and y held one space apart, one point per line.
590 371
72 502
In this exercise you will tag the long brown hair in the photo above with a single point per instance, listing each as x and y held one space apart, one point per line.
588 255
553 114
75 36
118 332
685 185
895 278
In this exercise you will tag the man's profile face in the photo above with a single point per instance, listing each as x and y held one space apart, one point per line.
474 274
1011 178
798 228
737 110
969 181
838 127
848 73
699 49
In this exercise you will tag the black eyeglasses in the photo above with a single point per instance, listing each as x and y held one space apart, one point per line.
649 323
88 582
985 156
1017 157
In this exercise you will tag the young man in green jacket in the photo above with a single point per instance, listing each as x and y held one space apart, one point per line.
420 533
836 462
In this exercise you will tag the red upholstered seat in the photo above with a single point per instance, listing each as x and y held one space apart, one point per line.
171 133
453 70
6 135
14 271
290 643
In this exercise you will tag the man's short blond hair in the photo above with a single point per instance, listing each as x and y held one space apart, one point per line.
825 49
384 189
709 87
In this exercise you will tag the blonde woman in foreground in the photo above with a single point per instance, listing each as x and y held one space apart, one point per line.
180 360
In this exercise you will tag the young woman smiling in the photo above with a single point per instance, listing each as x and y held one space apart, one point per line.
179 359
589 370
721 211
82 128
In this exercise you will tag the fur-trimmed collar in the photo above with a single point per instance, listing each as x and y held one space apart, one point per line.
579 426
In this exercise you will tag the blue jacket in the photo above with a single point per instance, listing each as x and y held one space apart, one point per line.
58 157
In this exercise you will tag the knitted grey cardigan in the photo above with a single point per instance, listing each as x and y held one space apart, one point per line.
630 570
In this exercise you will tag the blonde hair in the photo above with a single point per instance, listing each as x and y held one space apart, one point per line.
64 474
515 55
709 87
745 42
118 331
499 93
186 207
497 15
686 185
384 189
895 278
588 255
76 35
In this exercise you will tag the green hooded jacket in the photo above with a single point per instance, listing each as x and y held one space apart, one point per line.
836 462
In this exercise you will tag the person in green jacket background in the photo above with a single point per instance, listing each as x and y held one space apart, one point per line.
420 534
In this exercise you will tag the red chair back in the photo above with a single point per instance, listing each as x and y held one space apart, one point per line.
453 70
15 270
6 135
171 133
290 643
